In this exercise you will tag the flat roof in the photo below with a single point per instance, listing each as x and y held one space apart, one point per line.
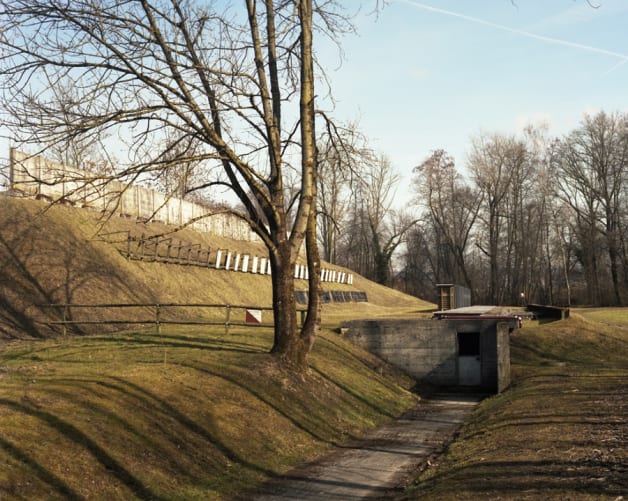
471 310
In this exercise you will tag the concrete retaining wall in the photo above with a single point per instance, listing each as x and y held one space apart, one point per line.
428 349
36 176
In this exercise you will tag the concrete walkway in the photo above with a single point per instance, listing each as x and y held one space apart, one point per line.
381 461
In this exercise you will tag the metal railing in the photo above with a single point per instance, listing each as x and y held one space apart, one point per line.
157 315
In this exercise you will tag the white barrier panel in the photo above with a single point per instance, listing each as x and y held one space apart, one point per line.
228 260
262 266
245 263
218 257
236 263
254 265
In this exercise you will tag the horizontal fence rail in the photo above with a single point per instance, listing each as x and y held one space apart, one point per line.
220 314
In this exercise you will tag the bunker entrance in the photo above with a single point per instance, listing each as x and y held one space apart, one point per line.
469 361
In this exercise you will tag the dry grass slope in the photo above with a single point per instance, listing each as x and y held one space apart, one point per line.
59 255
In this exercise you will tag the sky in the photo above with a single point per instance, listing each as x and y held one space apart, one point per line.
426 75
432 74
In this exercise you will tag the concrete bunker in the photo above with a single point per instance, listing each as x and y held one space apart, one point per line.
469 347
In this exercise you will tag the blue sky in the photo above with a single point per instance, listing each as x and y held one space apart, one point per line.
431 74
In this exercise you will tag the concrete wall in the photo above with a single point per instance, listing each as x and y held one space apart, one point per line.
503 356
37 176
428 349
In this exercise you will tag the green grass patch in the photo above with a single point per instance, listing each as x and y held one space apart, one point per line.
188 414
558 433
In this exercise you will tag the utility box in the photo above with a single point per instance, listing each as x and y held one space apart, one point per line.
452 296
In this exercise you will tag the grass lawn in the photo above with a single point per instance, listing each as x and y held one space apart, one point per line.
187 414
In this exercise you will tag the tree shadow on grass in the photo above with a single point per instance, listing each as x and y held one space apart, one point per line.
202 431
181 342
542 477
162 421
44 262
72 433
349 391
39 471
302 418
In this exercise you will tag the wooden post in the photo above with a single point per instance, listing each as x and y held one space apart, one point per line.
227 318
65 317
157 318
169 241
141 247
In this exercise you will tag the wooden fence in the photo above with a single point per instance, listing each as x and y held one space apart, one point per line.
163 249
161 314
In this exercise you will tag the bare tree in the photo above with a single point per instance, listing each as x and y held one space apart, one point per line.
72 149
240 82
421 260
186 177
375 229
590 164
453 207
342 152
494 162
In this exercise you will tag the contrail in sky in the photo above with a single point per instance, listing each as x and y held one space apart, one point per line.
557 41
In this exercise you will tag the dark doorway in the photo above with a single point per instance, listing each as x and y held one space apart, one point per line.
469 362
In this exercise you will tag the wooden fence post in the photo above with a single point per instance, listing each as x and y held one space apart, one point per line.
228 318
65 317
157 318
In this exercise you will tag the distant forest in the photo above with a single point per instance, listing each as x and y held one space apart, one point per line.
533 219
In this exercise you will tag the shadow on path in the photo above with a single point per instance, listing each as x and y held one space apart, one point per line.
382 460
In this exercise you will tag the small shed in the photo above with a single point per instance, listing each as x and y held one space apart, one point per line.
452 296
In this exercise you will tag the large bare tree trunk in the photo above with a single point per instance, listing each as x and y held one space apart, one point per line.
291 345
285 343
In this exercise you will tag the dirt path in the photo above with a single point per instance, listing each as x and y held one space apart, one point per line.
381 461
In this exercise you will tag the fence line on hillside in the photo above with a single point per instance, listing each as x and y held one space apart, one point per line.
251 318
165 249
36 176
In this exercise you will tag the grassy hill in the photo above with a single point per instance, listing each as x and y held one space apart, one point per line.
190 413
69 255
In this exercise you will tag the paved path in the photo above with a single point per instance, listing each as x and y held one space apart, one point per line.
382 460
